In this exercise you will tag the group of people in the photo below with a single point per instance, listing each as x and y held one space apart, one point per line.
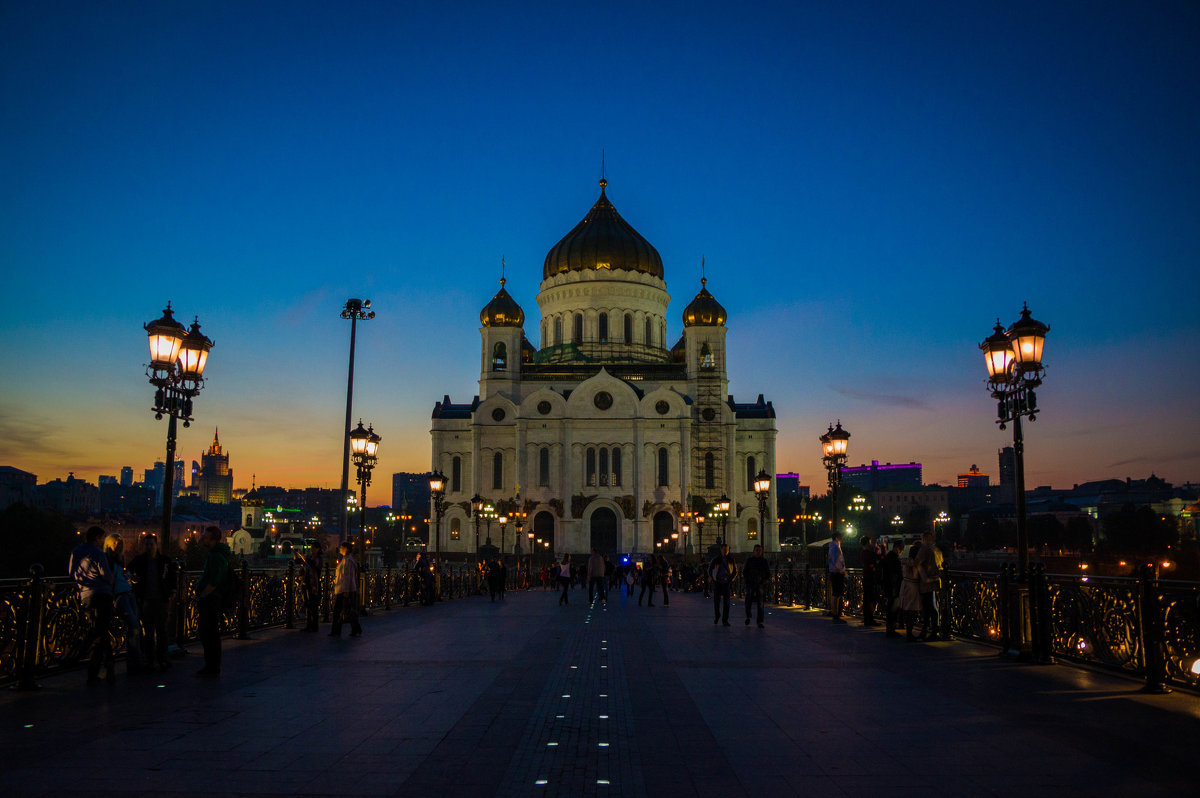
908 583
756 577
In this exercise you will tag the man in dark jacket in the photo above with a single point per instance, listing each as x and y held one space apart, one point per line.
93 577
757 573
153 588
870 581
893 578
721 572
210 590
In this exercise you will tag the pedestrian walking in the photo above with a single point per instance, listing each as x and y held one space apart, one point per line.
494 580
89 570
214 582
910 592
564 580
154 578
345 593
664 576
597 586
649 579
893 579
721 571
837 577
757 575
870 581
310 583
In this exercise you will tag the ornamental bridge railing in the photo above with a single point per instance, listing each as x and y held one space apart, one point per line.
42 622
1140 626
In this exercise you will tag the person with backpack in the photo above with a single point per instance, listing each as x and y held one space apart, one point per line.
211 592
721 570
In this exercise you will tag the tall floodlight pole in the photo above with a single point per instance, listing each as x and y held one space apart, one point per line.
354 310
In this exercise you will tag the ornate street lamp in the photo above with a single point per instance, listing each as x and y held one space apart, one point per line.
1014 365
355 310
364 446
477 505
687 540
722 515
762 490
503 519
437 492
834 445
176 370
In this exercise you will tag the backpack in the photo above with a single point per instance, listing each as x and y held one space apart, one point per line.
231 591
722 572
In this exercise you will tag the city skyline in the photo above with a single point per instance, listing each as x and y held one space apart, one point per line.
870 188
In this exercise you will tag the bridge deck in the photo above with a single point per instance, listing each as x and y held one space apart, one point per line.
477 698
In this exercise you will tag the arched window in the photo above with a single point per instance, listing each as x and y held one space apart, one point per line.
706 357
558 332
604 466
750 473
578 328
603 327
752 529
710 478
616 468
498 471
590 466
456 475
249 520
455 528
628 328
544 467
664 468
647 336
499 356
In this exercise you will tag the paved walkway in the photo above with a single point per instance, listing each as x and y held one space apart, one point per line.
524 698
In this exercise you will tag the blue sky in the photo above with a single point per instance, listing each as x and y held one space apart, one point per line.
871 184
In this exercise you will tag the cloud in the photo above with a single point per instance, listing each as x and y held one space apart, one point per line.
1158 458
891 400
23 435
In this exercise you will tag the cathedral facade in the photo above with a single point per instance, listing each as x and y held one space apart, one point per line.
604 435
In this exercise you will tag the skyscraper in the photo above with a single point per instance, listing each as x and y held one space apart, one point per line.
1008 466
216 478
126 476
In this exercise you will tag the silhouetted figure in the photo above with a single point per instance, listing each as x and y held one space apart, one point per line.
596 580
311 565
721 572
837 577
89 569
870 581
154 585
345 593
893 578
564 579
210 593
649 580
757 574
910 592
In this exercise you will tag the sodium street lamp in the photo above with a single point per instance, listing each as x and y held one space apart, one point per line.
364 445
834 445
687 540
354 309
437 492
762 490
477 504
1014 366
176 370
503 519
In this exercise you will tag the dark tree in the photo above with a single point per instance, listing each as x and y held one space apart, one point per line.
1138 530
28 535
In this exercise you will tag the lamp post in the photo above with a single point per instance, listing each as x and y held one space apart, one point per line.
762 490
354 309
364 446
1014 366
176 370
437 492
723 516
834 444
685 528
503 519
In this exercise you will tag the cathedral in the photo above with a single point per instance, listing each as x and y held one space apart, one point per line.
605 434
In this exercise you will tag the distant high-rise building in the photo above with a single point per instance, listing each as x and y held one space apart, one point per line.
973 478
413 488
789 485
1008 466
126 476
178 484
882 477
70 496
216 478
16 486
107 479
154 481
195 481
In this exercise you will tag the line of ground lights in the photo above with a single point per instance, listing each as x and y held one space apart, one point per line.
567 697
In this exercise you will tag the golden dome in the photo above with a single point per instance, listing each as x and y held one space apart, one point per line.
603 240
704 310
502 311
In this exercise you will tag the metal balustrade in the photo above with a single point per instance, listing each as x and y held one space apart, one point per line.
1143 626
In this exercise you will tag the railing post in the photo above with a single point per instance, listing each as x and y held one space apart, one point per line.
327 582
243 605
1150 619
30 626
289 596
1004 608
180 605
387 587
1043 635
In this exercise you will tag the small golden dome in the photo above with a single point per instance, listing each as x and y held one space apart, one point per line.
502 311
704 310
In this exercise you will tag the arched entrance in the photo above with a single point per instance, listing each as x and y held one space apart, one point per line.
604 531
664 525
543 529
